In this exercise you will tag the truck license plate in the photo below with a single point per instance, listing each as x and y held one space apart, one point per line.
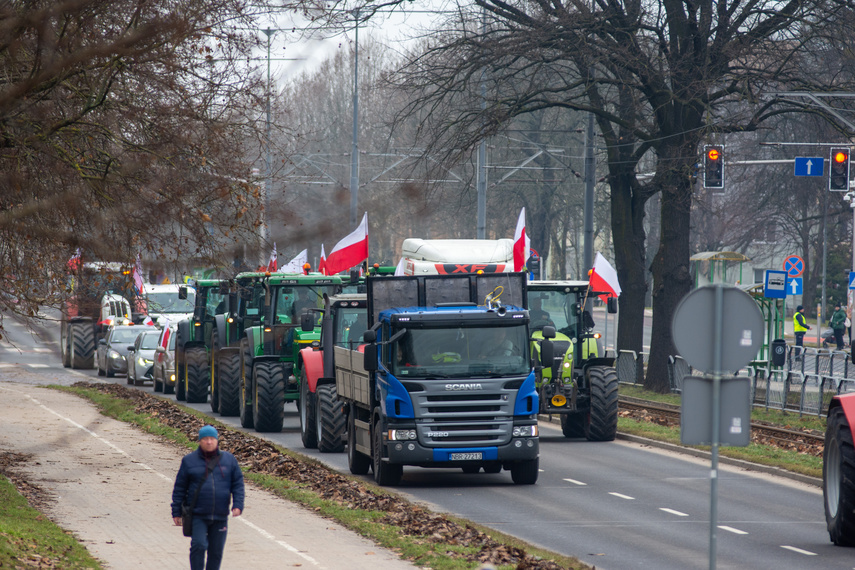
466 456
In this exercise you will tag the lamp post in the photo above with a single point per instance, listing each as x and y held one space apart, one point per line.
354 150
268 163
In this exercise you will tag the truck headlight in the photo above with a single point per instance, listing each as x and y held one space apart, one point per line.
525 431
402 434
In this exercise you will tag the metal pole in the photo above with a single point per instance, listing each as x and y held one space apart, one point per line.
354 150
481 175
824 262
268 162
716 419
590 166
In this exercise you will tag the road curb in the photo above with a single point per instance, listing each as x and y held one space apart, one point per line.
700 453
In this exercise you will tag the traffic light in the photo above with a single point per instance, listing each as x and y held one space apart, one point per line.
714 166
838 177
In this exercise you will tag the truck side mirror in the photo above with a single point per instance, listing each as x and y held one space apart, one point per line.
369 362
369 336
307 321
612 304
548 331
182 292
547 353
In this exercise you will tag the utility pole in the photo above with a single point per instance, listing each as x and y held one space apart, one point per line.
268 162
481 181
354 149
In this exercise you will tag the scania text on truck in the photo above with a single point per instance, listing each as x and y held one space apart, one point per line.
444 378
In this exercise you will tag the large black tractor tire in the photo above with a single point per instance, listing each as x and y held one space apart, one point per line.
268 396
196 361
329 414
357 462
82 340
838 479
308 425
385 474
228 380
603 417
525 472
575 424
245 412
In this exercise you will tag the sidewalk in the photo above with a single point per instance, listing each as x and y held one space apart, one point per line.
111 485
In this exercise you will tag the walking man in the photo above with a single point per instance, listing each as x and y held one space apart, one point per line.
838 325
800 327
214 480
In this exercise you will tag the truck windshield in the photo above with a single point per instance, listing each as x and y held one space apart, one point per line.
350 324
556 308
170 303
462 352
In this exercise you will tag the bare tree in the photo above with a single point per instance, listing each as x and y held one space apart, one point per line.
126 127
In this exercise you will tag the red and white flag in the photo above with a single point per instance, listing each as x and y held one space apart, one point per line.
604 278
138 279
273 263
350 251
167 332
74 262
147 321
522 244
296 264
322 263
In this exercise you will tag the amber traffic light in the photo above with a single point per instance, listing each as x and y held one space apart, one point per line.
714 166
838 177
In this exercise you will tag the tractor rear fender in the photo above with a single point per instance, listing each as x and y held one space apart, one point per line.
313 365
608 362
220 330
847 402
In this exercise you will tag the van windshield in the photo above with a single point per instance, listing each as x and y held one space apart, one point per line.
170 303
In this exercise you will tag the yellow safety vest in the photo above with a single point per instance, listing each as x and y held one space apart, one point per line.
798 323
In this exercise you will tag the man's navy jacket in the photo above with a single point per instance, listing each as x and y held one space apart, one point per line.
224 483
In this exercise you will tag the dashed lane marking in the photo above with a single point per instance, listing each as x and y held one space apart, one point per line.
799 550
575 482
731 529
621 496
673 512
258 529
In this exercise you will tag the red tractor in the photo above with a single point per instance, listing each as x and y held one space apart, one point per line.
838 471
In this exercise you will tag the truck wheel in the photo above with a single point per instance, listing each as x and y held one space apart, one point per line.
358 462
603 382
82 345
308 426
525 472
385 474
268 396
246 416
330 419
838 479
575 424
196 361
228 380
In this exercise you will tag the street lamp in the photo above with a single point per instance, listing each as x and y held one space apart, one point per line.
268 162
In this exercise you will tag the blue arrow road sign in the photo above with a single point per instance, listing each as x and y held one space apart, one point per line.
809 165
852 279
775 286
794 286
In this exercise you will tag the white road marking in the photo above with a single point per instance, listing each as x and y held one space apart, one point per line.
673 512
620 496
731 529
39 365
575 482
41 349
242 519
799 550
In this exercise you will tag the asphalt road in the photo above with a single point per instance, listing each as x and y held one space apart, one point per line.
617 505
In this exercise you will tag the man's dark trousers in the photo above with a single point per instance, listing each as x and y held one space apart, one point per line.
208 536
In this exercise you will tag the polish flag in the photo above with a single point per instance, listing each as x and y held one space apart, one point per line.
74 262
322 264
147 321
522 244
272 264
138 280
603 278
296 264
166 334
350 251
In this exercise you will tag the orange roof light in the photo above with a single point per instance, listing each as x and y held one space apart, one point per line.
713 154
840 156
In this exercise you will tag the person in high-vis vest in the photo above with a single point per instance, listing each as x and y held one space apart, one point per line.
800 327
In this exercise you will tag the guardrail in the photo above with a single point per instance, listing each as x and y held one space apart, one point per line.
804 385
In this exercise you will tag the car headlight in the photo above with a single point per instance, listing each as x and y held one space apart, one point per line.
114 355
525 431
144 361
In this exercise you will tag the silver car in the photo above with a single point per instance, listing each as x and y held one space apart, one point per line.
111 356
141 357
164 362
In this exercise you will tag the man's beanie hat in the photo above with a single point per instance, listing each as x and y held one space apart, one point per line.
799 308
208 431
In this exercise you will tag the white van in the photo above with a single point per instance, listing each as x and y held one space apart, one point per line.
167 303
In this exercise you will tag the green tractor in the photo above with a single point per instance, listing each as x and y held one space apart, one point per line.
581 386
271 368
193 341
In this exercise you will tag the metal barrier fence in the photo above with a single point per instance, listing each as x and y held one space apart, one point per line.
805 384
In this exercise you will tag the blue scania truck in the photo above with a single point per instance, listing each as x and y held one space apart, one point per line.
444 378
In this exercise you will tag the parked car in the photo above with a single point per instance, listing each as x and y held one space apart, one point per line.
141 357
164 362
111 357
